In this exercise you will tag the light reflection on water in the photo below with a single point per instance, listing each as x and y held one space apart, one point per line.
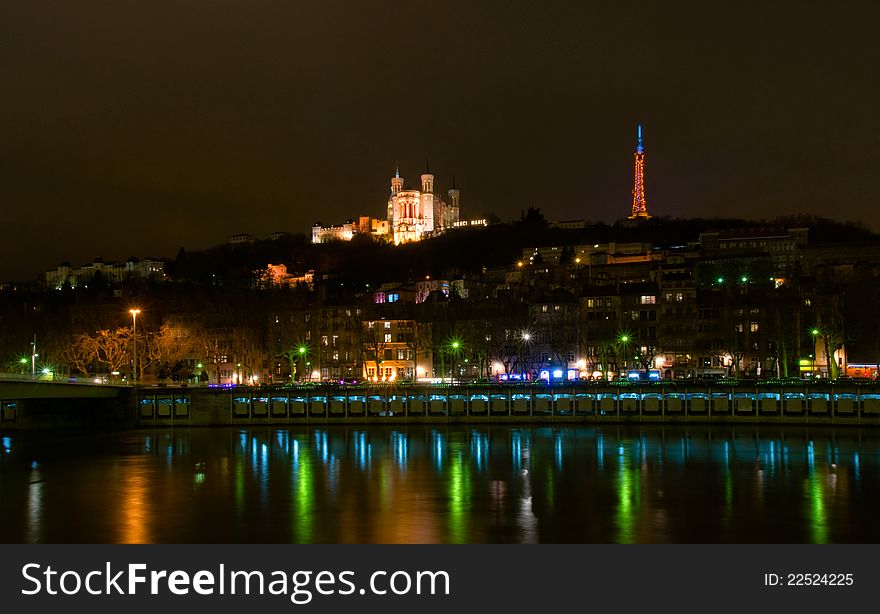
429 484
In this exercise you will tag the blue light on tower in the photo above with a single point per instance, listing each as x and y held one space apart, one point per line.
639 148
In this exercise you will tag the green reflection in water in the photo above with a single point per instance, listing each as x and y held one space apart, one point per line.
239 482
627 501
459 499
304 500
384 486
817 514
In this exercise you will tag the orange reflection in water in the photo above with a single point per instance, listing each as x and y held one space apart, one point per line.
134 521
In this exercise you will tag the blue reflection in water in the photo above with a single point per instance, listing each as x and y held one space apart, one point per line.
360 449
148 444
600 450
516 451
557 450
438 449
856 470
811 455
399 448
7 444
283 438
479 449
294 455
322 447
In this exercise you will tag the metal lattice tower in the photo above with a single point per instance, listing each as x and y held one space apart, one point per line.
640 206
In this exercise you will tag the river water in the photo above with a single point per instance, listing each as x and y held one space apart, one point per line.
424 484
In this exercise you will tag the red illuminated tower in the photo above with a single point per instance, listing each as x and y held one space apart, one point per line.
640 206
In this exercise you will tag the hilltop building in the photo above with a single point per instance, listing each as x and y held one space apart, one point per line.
411 215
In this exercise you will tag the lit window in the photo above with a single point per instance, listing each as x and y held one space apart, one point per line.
753 327
648 299
387 324
387 337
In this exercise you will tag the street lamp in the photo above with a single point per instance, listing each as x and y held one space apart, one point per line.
34 358
134 314
301 350
624 341
526 339
817 333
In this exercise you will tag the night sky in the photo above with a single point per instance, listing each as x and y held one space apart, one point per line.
132 127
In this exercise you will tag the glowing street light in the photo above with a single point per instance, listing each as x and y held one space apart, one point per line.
134 314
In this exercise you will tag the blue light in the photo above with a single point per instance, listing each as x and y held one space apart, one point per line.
294 453
7 444
516 450
557 374
558 450
639 148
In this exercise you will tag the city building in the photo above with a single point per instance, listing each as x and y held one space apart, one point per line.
113 273
277 275
325 234
241 238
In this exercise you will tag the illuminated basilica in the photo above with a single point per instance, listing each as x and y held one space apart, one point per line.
414 214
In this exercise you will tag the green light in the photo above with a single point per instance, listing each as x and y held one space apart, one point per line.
624 338
301 349
814 332
455 345
720 280
816 508
23 361
199 366
744 279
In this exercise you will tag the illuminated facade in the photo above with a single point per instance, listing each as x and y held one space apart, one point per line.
412 215
416 214
325 234
639 206
277 275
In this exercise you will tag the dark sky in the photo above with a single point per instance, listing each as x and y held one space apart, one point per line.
132 127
